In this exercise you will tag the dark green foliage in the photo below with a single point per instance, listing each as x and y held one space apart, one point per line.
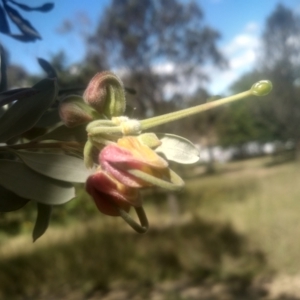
28 32
57 166
91 263
242 122
47 67
43 8
3 67
9 201
45 178
281 66
23 115
24 26
42 220
4 27
21 180
277 117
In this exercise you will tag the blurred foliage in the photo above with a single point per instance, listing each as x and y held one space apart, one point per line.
240 123
27 32
282 65
278 116
99 261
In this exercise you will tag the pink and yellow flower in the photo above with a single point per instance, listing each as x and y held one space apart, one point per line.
130 154
110 195
112 186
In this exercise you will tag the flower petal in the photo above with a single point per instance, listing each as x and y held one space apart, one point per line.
142 152
109 194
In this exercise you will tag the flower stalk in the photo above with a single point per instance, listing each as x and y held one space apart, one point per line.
260 88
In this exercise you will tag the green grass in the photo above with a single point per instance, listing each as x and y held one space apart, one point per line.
232 227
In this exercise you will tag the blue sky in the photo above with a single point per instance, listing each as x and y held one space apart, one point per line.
239 22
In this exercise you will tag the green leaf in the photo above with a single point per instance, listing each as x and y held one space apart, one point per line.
63 133
57 166
3 69
47 67
178 149
42 220
43 8
23 115
4 27
23 38
49 118
26 183
25 27
16 94
9 201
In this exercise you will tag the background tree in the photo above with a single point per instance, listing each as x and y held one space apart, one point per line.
281 64
278 116
145 38
241 123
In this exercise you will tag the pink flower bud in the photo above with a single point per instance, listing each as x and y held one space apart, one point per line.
105 93
73 111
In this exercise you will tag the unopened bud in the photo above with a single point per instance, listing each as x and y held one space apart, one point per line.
73 111
261 88
105 93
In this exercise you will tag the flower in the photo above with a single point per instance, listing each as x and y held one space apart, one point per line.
130 154
124 168
126 163
110 195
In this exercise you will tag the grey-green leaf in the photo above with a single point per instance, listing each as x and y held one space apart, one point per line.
57 166
26 183
47 67
49 118
42 220
9 201
63 133
178 149
23 115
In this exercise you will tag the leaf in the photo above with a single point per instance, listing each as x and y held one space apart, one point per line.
4 27
47 67
43 8
3 68
42 220
16 94
63 133
49 118
71 90
23 37
9 201
23 115
26 183
178 149
57 166
130 90
25 27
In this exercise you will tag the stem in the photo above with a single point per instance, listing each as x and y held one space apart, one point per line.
155 121
35 145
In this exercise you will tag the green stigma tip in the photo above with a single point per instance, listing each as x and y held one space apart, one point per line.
261 88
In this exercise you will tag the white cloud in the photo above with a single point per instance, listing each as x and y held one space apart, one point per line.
242 52
243 59
241 42
251 27
164 68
